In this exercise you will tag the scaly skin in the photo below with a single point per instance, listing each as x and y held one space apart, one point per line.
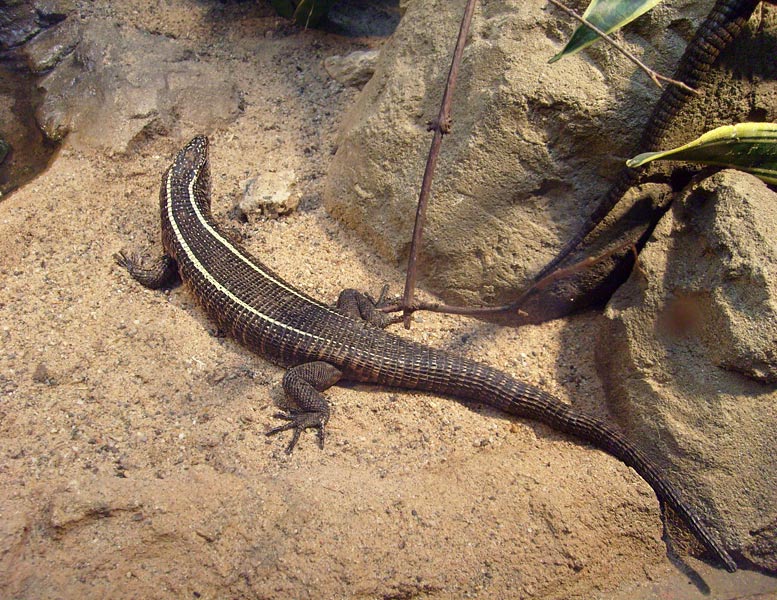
323 344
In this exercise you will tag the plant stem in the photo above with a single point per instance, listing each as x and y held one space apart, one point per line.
440 126
514 308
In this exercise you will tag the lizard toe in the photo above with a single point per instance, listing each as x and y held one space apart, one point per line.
299 422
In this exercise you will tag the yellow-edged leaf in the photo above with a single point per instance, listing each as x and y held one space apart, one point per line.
750 147
607 15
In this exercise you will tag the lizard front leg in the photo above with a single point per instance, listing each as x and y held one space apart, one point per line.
303 385
362 307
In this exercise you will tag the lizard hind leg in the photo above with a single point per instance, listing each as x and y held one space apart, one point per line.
362 307
163 273
303 385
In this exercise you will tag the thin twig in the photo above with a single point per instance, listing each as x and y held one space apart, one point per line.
449 309
513 308
657 78
441 126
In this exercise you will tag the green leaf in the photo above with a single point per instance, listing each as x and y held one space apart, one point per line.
750 147
607 15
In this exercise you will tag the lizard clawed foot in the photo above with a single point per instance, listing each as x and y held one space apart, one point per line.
126 261
299 422
364 307
383 301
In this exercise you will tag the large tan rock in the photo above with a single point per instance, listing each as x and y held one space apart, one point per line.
120 84
532 148
689 356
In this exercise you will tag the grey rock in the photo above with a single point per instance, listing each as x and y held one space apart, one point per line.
49 47
26 154
20 20
121 84
354 69
53 11
43 375
359 19
533 146
5 149
688 356
270 195
18 23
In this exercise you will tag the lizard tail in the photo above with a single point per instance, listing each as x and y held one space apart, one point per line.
474 381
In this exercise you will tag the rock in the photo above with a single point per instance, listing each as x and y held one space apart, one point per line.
624 233
5 149
20 20
49 47
359 19
532 147
23 153
354 69
688 356
122 83
43 375
18 23
53 11
269 195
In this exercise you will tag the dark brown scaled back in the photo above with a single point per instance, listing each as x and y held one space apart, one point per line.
323 344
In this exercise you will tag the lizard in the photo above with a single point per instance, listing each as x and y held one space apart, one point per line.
721 26
321 344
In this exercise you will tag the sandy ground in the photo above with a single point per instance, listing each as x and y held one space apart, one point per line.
132 456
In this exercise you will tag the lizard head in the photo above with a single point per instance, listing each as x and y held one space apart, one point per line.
193 157
191 170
